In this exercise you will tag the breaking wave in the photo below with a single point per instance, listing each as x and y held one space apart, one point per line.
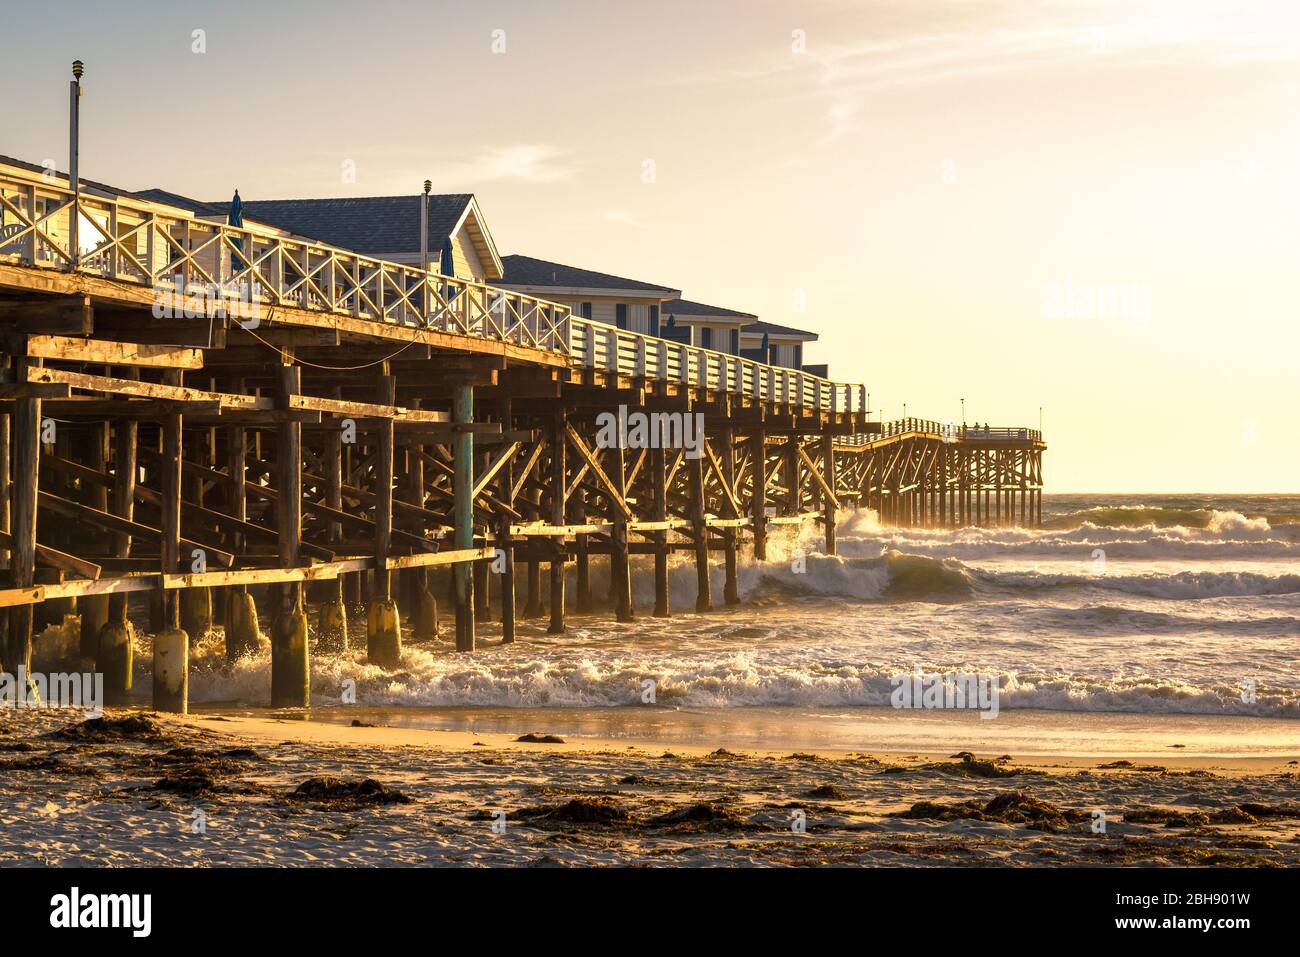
1223 522
892 576
517 677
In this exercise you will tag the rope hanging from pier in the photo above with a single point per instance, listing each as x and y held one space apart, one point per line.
317 365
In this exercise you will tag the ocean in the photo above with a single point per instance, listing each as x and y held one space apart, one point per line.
1142 618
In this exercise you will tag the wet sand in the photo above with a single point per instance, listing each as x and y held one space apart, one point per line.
213 789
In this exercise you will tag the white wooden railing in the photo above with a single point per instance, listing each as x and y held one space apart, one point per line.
133 241
948 431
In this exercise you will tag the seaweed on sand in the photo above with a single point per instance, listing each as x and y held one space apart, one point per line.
131 727
1013 807
338 794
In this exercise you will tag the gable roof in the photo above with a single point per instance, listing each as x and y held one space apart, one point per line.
684 307
772 329
371 225
527 271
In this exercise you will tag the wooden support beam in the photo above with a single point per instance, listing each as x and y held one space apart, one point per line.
503 540
170 542
704 597
463 488
495 466
616 494
830 502
109 385
115 523
116 653
68 315
620 566
85 407
451 556
560 427
379 411
582 558
387 392
238 527
727 476
758 493
57 559
110 353
26 426
288 444
659 513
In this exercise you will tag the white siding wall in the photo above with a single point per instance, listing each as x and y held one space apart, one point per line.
464 257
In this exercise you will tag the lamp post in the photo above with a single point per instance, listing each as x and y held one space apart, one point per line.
74 180
424 246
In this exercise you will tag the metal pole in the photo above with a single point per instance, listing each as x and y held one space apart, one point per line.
424 247
74 180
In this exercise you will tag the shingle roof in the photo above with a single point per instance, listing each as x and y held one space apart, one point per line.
181 202
773 329
684 307
527 271
364 224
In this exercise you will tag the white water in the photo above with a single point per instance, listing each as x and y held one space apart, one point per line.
1187 604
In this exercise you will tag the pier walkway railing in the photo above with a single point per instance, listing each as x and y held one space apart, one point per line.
136 241
947 431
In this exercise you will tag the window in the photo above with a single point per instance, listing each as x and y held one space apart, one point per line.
654 319
620 315
584 310
706 337
735 342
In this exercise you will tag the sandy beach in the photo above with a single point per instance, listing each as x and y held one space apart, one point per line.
137 789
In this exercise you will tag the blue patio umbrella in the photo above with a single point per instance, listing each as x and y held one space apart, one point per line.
448 268
235 217
445 264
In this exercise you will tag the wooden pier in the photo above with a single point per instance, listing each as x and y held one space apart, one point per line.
193 410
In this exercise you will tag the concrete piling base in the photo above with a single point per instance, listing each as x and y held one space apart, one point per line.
171 671
290 661
243 636
332 627
384 634
115 657
425 624
196 612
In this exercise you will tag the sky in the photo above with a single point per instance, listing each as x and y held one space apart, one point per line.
1084 211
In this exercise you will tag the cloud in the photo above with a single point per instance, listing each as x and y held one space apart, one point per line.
839 120
964 41
531 162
